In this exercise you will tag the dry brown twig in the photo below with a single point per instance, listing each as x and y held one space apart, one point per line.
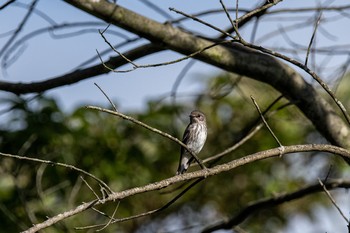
173 200
89 186
110 219
267 125
58 164
333 201
312 39
252 131
137 66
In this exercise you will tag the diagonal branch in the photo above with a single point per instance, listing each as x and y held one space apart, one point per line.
78 75
19 28
324 187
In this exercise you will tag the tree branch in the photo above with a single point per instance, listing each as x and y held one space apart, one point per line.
20 27
79 75
103 184
190 176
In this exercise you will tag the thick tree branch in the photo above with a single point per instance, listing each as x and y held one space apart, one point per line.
78 75
190 176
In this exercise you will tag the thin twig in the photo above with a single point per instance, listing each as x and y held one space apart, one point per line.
110 101
19 28
202 22
228 14
250 134
6 4
92 190
237 4
58 164
148 212
312 38
333 201
111 218
264 7
111 46
100 212
242 20
266 124
137 66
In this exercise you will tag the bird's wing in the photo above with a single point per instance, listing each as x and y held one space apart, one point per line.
186 137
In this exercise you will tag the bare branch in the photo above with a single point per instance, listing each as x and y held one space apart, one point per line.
172 201
19 28
111 218
58 164
110 101
91 189
6 4
137 66
265 122
228 14
312 38
252 130
333 201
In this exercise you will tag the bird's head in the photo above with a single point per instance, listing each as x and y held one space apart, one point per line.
197 116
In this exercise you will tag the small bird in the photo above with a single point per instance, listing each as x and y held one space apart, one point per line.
194 138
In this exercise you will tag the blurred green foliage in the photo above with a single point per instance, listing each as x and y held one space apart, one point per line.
125 155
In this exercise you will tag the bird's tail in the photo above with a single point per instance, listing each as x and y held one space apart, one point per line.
184 164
